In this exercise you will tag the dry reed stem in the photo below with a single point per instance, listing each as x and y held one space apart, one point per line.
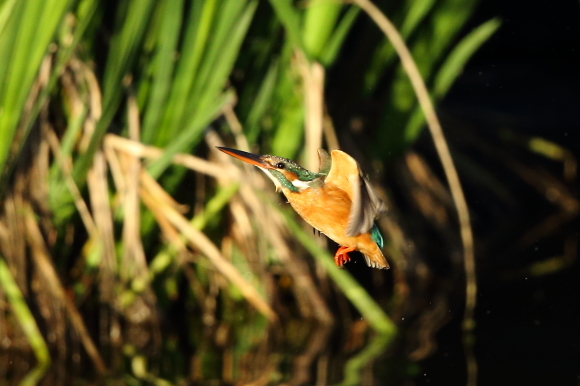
313 86
66 169
429 194
95 98
330 133
199 241
570 166
39 186
424 176
298 270
236 127
42 259
242 219
140 150
133 246
450 172
39 84
98 187
303 362
428 324
99 192
167 230
266 375
72 96
15 245
400 246
555 192
113 154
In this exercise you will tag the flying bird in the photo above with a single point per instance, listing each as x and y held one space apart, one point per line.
337 201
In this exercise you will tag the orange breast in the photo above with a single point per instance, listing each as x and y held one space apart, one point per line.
326 209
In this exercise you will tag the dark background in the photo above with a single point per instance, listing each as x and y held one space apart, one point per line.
526 78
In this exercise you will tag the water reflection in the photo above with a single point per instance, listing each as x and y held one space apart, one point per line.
244 349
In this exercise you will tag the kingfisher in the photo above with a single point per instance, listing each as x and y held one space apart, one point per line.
338 201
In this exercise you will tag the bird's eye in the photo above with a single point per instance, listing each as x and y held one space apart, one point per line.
280 165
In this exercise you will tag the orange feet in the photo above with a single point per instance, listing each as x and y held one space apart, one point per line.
341 256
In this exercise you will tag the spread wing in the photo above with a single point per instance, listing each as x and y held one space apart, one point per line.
325 161
346 174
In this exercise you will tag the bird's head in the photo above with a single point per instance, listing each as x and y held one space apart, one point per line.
282 171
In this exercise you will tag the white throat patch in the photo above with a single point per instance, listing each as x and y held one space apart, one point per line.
274 179
301 184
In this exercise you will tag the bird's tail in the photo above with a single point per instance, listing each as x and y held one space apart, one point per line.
374 256
375 259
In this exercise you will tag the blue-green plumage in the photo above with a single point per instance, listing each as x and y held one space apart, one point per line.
376 235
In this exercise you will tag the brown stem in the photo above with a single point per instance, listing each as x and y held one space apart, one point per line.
450 172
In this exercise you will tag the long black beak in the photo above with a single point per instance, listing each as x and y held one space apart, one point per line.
246 157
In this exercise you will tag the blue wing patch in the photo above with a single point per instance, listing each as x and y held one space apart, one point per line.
376 236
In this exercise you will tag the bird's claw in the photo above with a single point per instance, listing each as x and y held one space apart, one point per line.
341 256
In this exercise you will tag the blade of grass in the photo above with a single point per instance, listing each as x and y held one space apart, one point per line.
385 54
448 18
191 135
27 323
125 45
334 43
168 254
5 12
417 10
187 75
164 60
429 45
262 102
368 308
201 242
44 264
27 33
319 21
225 45
290 128
450 70
206 100
215 205
85 13
462 52
290 18
354 366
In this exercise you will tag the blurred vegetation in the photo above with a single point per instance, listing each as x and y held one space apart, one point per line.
131 250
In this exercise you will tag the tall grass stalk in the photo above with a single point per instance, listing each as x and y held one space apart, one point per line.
27 29
27 323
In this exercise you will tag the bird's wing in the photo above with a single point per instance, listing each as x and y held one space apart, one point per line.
346 174
325 161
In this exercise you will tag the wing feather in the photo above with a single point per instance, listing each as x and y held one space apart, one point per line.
325 161
345 173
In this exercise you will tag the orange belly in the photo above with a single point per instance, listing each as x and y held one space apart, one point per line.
328 211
